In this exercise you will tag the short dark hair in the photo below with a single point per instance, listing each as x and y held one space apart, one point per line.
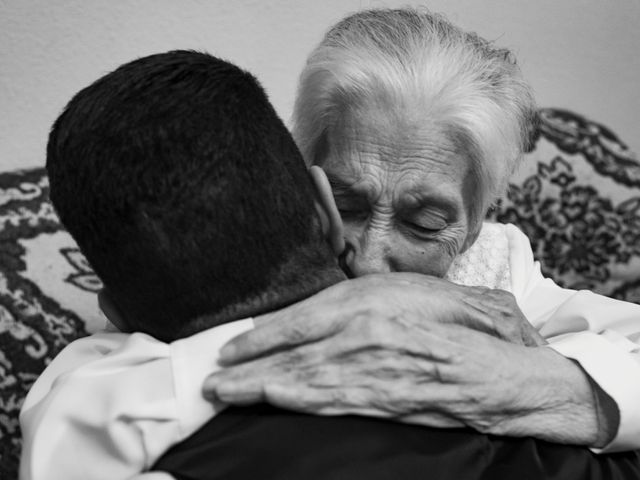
184 190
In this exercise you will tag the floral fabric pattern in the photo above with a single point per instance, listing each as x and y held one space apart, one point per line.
34 324
577 199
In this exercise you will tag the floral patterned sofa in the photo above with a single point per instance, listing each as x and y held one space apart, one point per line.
577 197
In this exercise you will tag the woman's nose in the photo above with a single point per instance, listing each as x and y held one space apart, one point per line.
367 254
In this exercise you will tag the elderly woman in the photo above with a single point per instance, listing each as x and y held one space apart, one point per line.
418 126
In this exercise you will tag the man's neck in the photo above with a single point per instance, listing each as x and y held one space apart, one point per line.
270 301
300 292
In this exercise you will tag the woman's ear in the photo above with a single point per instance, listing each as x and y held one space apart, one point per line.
332 227
111 311
472 236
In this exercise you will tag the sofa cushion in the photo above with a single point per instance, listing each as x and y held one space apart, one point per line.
47 297
577 198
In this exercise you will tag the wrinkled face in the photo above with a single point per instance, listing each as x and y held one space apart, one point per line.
402 188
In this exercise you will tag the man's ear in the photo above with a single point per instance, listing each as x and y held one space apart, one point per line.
112 312
332 227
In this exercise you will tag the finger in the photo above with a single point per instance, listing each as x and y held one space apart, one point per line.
234 392
478 315
362 401
245 379
296 397
496 312
152 476
249 345
276 334
322 401
433 418
244 383
532 337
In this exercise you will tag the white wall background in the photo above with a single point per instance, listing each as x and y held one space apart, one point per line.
579 54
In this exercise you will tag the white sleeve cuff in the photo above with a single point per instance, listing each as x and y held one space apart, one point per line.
616 372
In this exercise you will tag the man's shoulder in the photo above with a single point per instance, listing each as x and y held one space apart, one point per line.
86 349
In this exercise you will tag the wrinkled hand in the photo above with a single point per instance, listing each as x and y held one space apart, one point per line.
404 346
395 296
152 476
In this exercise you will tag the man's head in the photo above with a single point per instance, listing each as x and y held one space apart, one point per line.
186 193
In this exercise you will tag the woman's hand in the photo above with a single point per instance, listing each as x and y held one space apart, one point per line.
152 476
413 348
385 297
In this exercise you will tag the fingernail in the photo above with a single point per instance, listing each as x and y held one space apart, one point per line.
225 393
210 395
227 352
209 392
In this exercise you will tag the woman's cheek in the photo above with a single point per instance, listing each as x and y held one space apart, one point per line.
435 256
429 258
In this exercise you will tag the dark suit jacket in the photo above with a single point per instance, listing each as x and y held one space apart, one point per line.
263 442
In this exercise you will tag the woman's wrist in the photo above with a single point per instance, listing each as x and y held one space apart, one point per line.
556 402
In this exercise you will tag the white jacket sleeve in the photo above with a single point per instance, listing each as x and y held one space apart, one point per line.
601 333
111 404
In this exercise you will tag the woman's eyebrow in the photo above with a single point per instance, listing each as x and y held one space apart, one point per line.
421 201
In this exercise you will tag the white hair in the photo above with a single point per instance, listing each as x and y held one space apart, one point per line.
474 90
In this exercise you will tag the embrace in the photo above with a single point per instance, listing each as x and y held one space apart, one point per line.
348 274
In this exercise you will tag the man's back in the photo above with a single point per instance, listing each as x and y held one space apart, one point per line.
268 443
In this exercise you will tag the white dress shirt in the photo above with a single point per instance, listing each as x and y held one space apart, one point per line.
111 404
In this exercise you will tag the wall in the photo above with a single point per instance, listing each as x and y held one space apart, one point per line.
580 54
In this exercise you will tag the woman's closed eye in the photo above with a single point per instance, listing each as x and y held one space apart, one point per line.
430 225
424 228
